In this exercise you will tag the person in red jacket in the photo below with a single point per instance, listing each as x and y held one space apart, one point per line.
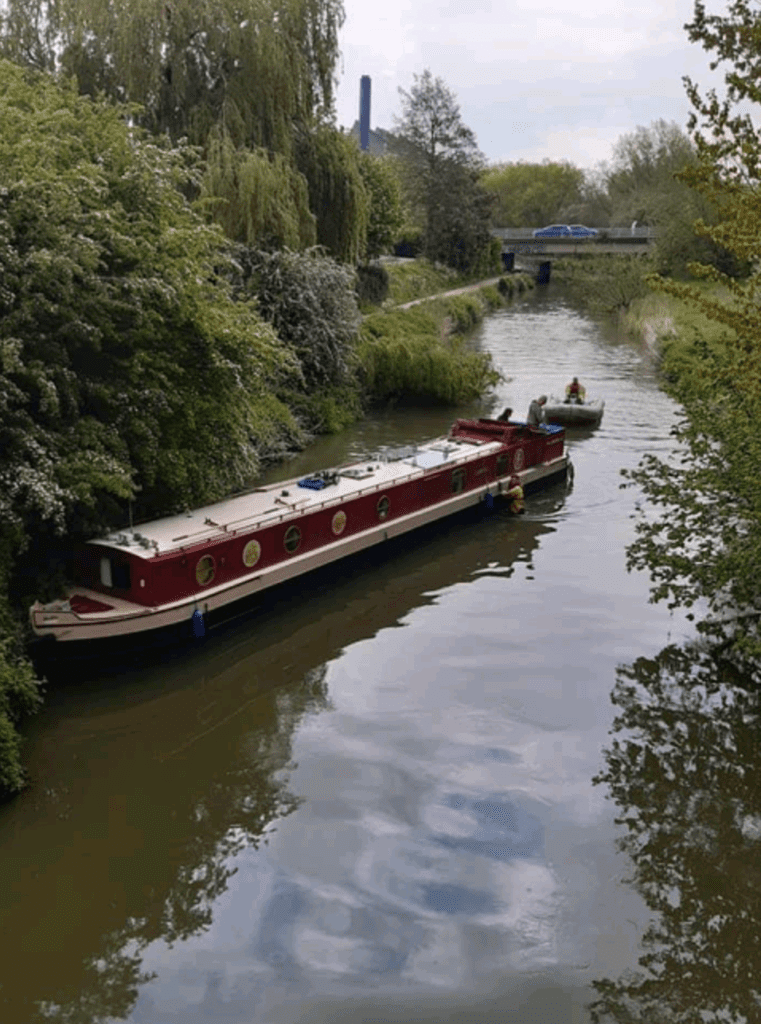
515 496
575 392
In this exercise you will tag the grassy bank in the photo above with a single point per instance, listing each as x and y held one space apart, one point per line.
421 353
672 327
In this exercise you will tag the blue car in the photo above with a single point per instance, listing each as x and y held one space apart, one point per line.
579 231
553 231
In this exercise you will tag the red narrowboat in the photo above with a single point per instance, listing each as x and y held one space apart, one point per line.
179 568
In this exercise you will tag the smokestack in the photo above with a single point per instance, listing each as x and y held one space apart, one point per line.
364 112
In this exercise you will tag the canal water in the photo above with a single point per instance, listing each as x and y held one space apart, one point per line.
372 798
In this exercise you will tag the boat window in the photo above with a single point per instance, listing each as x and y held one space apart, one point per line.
503 462
252 552
121 574
105 572
292 539
383 507
458 480
115 573
204 570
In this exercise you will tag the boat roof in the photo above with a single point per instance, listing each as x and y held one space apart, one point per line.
263 506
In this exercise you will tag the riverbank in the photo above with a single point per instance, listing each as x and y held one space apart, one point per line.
667 324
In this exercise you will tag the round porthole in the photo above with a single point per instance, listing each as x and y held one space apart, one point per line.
292 539
338 523
252 552
382 507
204 570
518 459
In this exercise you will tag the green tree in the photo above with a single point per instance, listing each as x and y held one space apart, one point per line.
329 160
251 83
257 197
309 300
257 66
442 164
646 183
531 195
705 547
120 345
386 213
126 370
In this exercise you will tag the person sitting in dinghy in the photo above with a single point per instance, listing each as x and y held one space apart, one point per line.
515 496
575 392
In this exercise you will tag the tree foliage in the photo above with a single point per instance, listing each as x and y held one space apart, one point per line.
120 347
329 160
251 83
531 195
256 66
646 183
706 544
442 168
381 179
257 197
309 299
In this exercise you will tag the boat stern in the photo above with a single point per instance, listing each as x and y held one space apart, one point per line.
81 614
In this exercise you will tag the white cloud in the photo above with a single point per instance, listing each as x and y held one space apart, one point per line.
561 80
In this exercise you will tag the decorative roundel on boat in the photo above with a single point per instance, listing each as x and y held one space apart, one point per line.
204 570
338 523
252 552
518 459
292 539
383 507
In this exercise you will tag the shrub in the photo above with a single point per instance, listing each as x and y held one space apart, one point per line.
372 284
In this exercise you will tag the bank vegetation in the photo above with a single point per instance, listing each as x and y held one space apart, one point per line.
175 313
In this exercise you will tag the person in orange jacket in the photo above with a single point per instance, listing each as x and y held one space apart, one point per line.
515 495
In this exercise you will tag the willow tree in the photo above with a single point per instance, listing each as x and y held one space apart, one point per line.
257 197
330 162
258 67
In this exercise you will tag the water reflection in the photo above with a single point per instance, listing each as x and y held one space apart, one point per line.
157 791
118 863
684 770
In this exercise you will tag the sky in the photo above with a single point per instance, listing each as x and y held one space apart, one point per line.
535 79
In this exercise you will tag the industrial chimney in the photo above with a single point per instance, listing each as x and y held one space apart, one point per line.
364 112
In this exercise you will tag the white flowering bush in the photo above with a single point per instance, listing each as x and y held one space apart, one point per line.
128 370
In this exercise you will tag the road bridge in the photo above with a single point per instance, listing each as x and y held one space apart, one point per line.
609 241
519 244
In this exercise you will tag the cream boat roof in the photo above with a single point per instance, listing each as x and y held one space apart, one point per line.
264 506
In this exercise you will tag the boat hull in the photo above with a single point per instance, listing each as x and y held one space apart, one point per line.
87 616
570 414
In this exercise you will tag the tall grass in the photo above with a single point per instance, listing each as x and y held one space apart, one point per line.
407 354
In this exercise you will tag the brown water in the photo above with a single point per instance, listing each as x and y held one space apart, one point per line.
372 799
